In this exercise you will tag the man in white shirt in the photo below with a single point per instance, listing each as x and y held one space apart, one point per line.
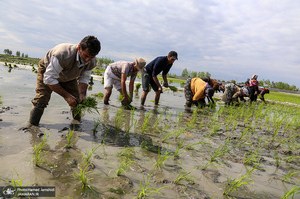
66 70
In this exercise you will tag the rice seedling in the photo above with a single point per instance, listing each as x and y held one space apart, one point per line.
89 104
228 123
179 132
128 129
252 157
179 117
124 164
185 176
162 157
144 126
83 178
99 95
234 125
289 175
214 129
179 146
191 146
285 140
167 136
39 151
87 157
145 189
194 118
119 119
291 158
137 87
239 142
97 122
277 159
157 121
15 183
234 184
291 193
70 140
221 151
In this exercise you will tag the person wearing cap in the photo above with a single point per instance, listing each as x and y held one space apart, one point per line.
195 91
253 88
116 75
149 76
232 93
66 70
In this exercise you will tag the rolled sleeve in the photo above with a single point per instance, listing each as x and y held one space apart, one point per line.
52 72
85 77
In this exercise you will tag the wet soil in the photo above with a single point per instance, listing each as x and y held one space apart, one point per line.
184 138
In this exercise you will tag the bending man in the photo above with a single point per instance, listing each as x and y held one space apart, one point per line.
149 76
66 70
116 75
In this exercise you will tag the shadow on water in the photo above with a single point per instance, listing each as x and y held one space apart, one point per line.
115 137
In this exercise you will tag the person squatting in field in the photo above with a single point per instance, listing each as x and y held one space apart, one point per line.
195 91
116 75
66 70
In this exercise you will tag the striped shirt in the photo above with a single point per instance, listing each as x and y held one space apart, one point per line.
119 67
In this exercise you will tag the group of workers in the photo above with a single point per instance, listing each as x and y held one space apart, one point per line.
66 70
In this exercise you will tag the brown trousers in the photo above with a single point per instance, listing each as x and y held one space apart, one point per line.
43 92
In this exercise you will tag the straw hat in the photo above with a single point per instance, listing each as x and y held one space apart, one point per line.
140 64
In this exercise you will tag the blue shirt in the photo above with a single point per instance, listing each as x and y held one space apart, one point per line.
157 65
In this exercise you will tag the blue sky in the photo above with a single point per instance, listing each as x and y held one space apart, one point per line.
231 39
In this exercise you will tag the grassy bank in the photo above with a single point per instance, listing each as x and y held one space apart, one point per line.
283 97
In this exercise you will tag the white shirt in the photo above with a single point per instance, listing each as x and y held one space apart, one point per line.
53 69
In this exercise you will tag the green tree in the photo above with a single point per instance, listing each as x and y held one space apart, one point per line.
18 53
7 52
26 55
193 74
22 54
185 73
207 74
104 61
201 74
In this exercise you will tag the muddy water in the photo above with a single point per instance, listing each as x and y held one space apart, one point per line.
119 130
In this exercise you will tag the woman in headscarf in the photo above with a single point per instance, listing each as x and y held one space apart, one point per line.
253 88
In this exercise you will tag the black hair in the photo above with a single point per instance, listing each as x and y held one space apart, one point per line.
92 44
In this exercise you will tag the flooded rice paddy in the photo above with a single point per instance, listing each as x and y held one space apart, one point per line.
160 151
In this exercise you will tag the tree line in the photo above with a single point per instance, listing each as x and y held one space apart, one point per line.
193 74
278 85
18 53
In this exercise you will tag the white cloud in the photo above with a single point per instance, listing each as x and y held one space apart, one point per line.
229 39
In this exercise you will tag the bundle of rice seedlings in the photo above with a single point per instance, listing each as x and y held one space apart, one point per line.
173 88
89 104
121 96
